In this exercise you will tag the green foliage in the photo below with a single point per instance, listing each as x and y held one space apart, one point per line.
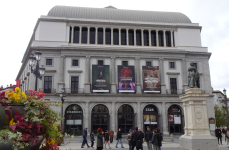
220 118
59 135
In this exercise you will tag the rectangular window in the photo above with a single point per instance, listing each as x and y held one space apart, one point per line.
100 62
76 34
173 85
125 63
84 35
49 62
108 36
100 35
131 37
173 40
195 65
115 37
171 64
75 63
74 84
70 34
123 36
161 38
168 38
146 37
92 35
153 38
47 84
148 63
138 38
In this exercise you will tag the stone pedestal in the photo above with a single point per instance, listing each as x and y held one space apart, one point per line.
197 133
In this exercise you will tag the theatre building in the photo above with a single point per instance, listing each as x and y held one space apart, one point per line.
120 68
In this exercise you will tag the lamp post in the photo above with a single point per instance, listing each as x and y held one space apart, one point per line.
224 91
62 95
37 71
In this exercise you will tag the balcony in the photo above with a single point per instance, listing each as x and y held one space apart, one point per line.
178 91
51 91
74 90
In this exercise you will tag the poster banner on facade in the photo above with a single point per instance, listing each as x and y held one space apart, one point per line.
212 123
101 78
171 119
177 119
150 119
151 79
126 79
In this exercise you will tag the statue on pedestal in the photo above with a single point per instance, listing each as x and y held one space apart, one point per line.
193 77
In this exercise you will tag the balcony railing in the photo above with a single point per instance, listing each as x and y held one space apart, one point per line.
178 91
52 91
74 90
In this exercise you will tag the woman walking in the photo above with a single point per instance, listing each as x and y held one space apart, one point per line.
119 138
99 139
129 139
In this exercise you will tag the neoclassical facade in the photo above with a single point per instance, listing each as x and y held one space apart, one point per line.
120 68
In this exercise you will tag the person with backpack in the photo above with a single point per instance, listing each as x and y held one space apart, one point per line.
160 139
106 137
154 140
148 137
119 138
92 138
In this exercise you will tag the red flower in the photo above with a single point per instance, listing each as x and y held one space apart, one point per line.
16 112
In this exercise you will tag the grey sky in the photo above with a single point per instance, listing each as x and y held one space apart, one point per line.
18 19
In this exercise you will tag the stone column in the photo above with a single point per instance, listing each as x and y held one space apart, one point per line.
164 120
142 30
61 73
150 43
184 74
135 37
87 88
88 35
171 33
112 36
139 115
119 30
164 38
80 38
104 36
138 83
157 38
113 123
72 36
161 68
86 116
127 36
96 35
113 75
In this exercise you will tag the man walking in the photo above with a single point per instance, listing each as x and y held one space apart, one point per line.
148 137
219 135
84 138
111 136
139 139
133 138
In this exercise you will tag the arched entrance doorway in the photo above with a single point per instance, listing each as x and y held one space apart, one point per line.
150 117
125 118
175 119
100 118
74 120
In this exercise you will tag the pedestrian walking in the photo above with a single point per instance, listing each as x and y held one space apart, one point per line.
99 139
111 136
107 139
160 139
227 136
219 135
119 138
148 137
133 138
85 138
92 138
129 139
139 139
154 140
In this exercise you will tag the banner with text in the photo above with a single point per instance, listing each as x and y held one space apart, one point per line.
101 78
151 79
126 79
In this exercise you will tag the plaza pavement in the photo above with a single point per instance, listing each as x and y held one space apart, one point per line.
166 144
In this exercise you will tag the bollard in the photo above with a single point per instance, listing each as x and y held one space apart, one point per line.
171 136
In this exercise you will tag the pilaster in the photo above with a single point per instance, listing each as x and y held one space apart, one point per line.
113 84
61 73
104 36
165 120
112 36
135 37
161 68
127 36
96 35
80 35
138 82
150 42
88 35
157 38
142 30
72 36
164 38
139 115
119 30
171 33
87 85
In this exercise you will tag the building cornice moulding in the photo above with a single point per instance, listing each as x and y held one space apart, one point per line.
172 73
75 71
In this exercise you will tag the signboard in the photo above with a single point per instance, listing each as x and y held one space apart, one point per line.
151 79
150 119
101 78
174 109
212 123
177 119
126 79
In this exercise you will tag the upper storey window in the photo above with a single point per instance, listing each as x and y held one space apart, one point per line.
115 37
100 35
125 63
168 38
84 35
153 38
92 36
123 37
49 62
160 38
146 37
108 36
138 38
131 37
100 62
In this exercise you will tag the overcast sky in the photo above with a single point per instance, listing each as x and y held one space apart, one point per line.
18 19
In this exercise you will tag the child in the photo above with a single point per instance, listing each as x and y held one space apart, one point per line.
107 139
92 139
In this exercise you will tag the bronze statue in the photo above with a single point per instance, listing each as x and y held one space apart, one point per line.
193 77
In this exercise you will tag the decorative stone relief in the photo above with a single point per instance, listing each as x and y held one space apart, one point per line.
198 115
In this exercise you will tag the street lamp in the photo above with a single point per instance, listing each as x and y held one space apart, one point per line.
62 95
37 71
224 91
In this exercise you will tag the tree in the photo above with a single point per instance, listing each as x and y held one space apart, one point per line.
220 118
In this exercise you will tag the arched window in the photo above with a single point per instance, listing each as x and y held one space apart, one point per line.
125 118
150 117
175 119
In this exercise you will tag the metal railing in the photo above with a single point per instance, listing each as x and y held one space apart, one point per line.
52 91
74 90
175 91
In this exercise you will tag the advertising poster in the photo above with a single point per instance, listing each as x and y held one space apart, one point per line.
100 78
126 79
150 119
151 79
171 119
177 119
212 123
